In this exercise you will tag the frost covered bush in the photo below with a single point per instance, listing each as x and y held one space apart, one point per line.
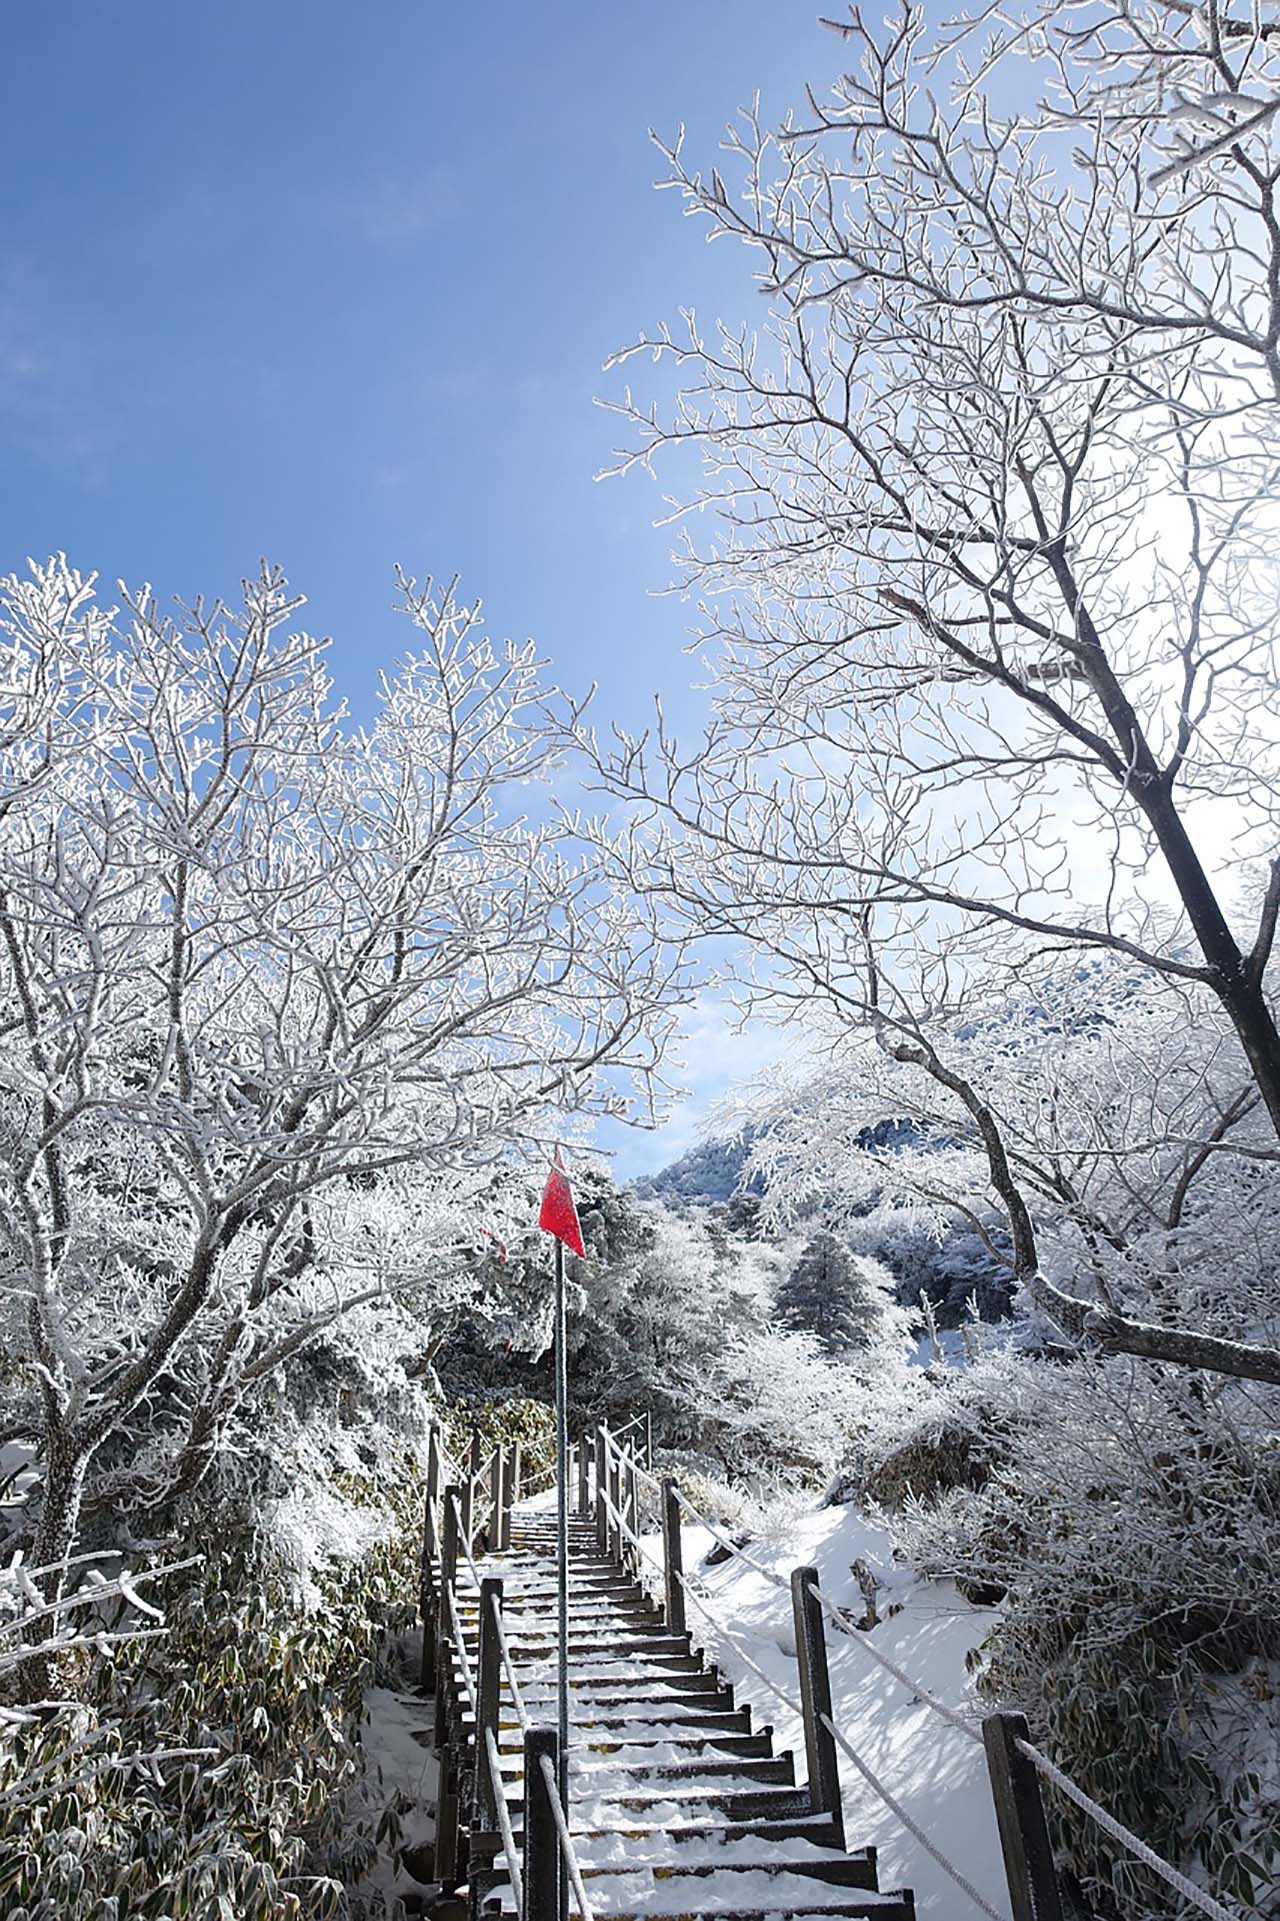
261 1674
924 1434
500 1421
1133 1519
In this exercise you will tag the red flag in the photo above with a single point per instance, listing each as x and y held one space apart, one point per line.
559 1216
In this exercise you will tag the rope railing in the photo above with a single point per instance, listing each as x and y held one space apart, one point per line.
509 1848
504 1650
464 1545
464 1659
628 1534
585 1910
839 1618
1118 1832
726 1541
912 1826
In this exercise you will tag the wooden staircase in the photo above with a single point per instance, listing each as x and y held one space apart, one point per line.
678 1805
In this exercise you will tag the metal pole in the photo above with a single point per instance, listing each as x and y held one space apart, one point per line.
562 1557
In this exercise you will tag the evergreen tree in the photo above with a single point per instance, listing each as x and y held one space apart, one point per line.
843 1298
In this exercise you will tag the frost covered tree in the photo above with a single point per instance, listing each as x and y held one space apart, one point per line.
992 606
840 1296
277 997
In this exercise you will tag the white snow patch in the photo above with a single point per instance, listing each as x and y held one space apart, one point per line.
933 1769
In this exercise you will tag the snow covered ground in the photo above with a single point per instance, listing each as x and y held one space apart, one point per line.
936 1772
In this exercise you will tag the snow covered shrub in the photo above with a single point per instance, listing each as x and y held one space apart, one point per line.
1133 1518
263 1684
774 1409
933 1432
500 1420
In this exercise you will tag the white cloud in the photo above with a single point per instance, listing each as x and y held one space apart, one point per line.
711 1056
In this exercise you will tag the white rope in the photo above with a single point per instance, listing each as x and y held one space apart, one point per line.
509 1665
842 1621
629 1457
456 1629
1110 1826
913 1828
566 1840
628 1534
464 1545
788 1700
504 1819
726 1541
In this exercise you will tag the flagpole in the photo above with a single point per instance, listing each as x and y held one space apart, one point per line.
562 1550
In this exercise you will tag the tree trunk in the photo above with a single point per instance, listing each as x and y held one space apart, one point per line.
66 1464
1239 990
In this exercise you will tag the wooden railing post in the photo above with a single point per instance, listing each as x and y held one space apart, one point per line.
1024 1833
430 1524
443 1660
631 1511
543 1869
501 1524
602 1517
815 1697
515 1467
615 1503
466 1516
584 1477
488 1691
648 1440
672 1557
448 1818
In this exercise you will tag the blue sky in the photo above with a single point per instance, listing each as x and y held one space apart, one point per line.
333 283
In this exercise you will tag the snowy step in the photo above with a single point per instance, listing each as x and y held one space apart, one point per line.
813 1827
632 1683
696 1801
522 1612
804 1905
620 1591
752 1867
692 1715
525 1645
754 1746
653 1686
664 1653
778 1768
